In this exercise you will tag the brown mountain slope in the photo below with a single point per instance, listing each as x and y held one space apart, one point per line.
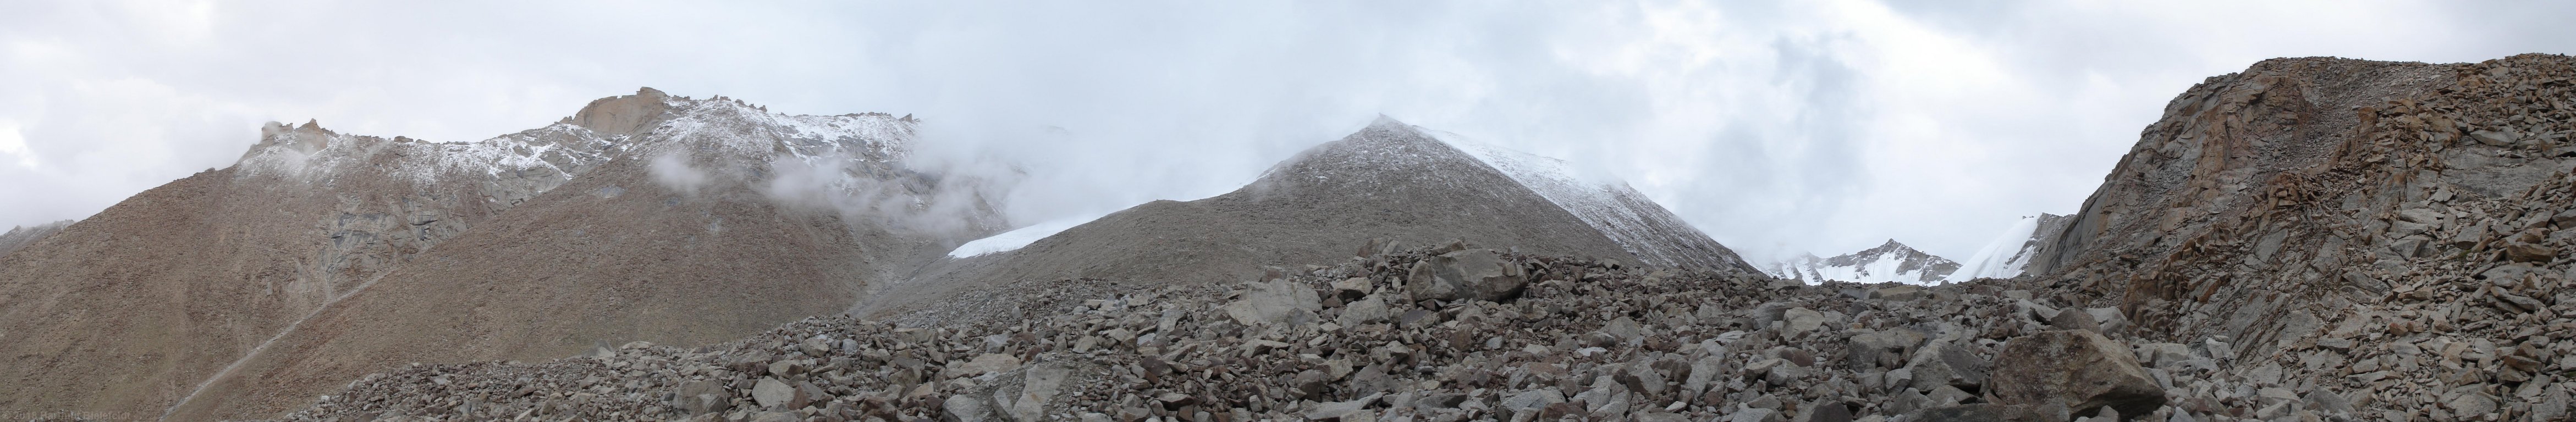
116 317
2329 220
1390 181
692 236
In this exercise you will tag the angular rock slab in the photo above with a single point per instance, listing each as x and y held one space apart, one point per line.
1480 274
2079 369
1274 302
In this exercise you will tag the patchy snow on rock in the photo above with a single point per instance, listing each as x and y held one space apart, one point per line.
1019 238
754 131
531 161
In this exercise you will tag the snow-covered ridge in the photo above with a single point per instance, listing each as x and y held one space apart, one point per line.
743 127
2010 252
1888 263
313 154
1610 207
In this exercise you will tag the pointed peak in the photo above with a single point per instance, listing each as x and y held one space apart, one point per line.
1384 121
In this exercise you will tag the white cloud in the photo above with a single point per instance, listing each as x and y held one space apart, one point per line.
1778 127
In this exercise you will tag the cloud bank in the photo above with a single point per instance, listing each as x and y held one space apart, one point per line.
1824 126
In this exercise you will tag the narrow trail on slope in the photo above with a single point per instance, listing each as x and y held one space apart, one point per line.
263 345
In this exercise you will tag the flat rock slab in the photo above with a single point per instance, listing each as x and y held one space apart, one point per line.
2077 368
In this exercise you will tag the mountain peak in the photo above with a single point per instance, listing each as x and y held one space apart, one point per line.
623 114
1888 262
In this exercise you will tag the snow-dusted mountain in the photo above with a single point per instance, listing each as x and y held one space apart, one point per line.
1890 262
2010 252
1389 181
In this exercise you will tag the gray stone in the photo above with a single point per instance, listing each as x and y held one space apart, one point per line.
702 397
1439 401
985 364
1353 288
2471 404
1042 384
964 408
2495 138
1825 412
1367 310
2164 355
2080 370
2074 319
1330 411
2553 404
1755 415
1276 301
1479 274
1949 395
1801 320
772 393
1533 400
2111 319
1940 363
1624 328
1703 371
1651 416
1981 412
1881 349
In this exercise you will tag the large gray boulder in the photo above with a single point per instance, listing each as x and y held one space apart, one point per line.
2076 368
1881 349
1480 274
1276 301
1941 363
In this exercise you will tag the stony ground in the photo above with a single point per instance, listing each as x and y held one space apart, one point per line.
1440 333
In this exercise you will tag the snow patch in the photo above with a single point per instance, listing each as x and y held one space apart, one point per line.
1019 238
2004 257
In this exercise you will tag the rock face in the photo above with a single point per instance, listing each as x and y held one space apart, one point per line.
2079 370
1390 181
1888 263
2381 230
21 236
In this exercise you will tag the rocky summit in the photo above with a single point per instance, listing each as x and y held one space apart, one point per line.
1890 262
2312 239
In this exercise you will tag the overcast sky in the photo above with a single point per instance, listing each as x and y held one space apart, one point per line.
1825 126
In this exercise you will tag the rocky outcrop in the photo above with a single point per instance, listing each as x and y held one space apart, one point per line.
2383 230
